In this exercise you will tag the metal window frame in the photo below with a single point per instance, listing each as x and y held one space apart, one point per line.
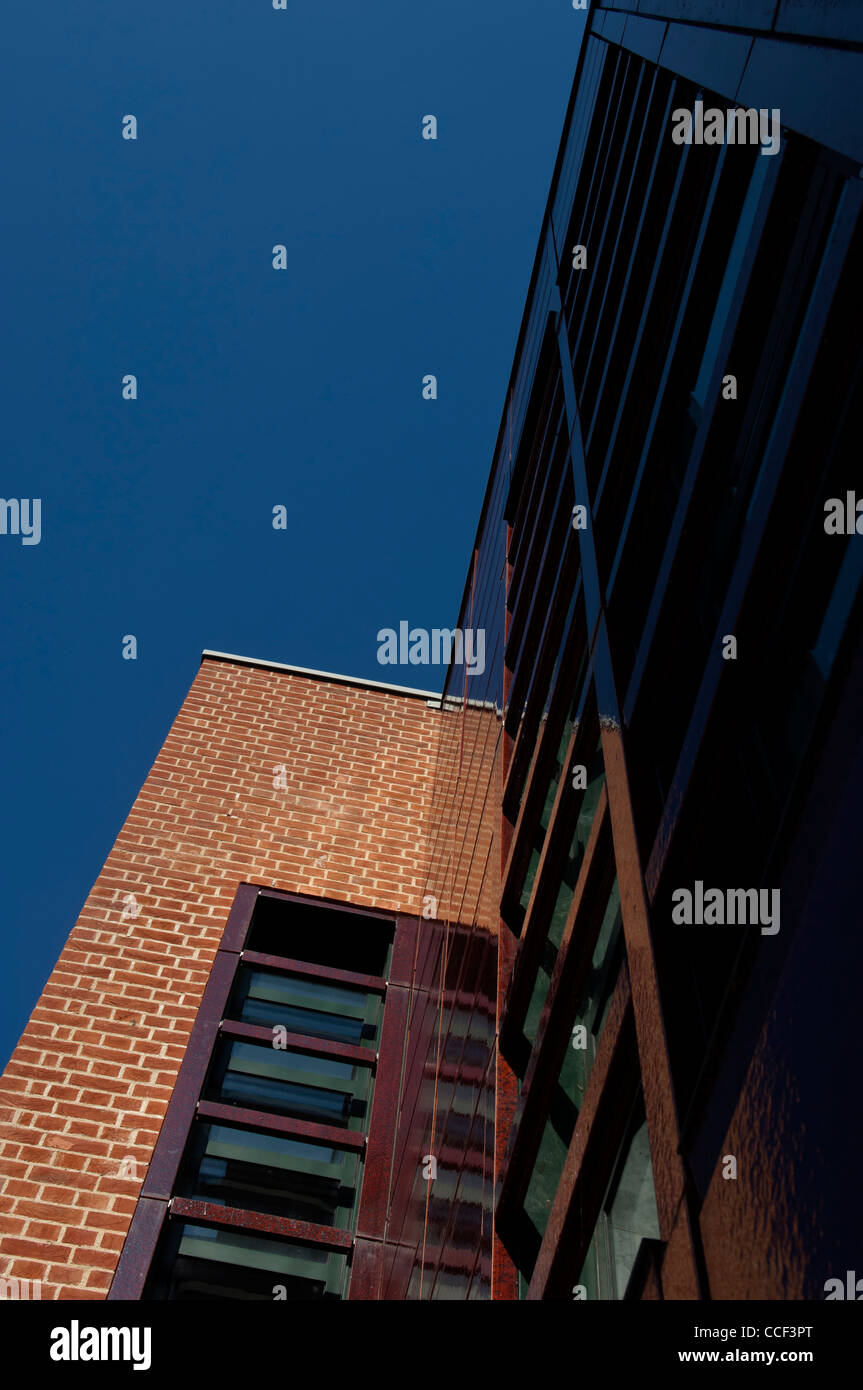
157 1203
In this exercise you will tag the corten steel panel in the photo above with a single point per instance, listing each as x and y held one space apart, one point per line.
138 1249
239 917
503 1275
300 1042
301 1232
679 1272
795 1131
374 1195
366 1271
404 950
331 1136
162 1172
471 1205
419 1218
373 984
465 1163
398 1263
659 1101
645 1284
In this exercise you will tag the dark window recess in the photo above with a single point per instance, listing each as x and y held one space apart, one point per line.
195 1262
281 1082
320 935
280 1176
315 1008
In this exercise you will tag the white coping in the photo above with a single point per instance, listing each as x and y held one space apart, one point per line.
321 675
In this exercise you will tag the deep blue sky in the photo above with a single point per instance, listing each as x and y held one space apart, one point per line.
256 387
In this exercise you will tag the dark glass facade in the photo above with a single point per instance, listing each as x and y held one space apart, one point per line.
690 379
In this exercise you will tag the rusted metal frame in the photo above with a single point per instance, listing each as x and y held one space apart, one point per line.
236 1218
300 1042
139 1247
564 995
164 1164
330 904
659 1099
372 984
593 1152
376 1178
148 1219
329 1136
239 917
464 1157
376 1183
146 1225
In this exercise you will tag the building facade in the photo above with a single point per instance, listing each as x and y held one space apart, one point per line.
543 989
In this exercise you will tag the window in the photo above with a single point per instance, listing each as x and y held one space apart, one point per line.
270 1114
627 1218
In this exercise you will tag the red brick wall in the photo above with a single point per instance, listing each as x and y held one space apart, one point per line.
89 1081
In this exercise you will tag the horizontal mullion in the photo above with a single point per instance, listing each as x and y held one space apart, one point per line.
373 984
332 1136
302 1232
301 1042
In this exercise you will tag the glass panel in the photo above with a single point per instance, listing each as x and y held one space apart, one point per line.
632 1215
629 1216
592 1011
289 1083
733 268
314 1008
202 1262
566 891
272 1174
576 1067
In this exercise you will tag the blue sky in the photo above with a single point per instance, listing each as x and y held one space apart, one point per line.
256 387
